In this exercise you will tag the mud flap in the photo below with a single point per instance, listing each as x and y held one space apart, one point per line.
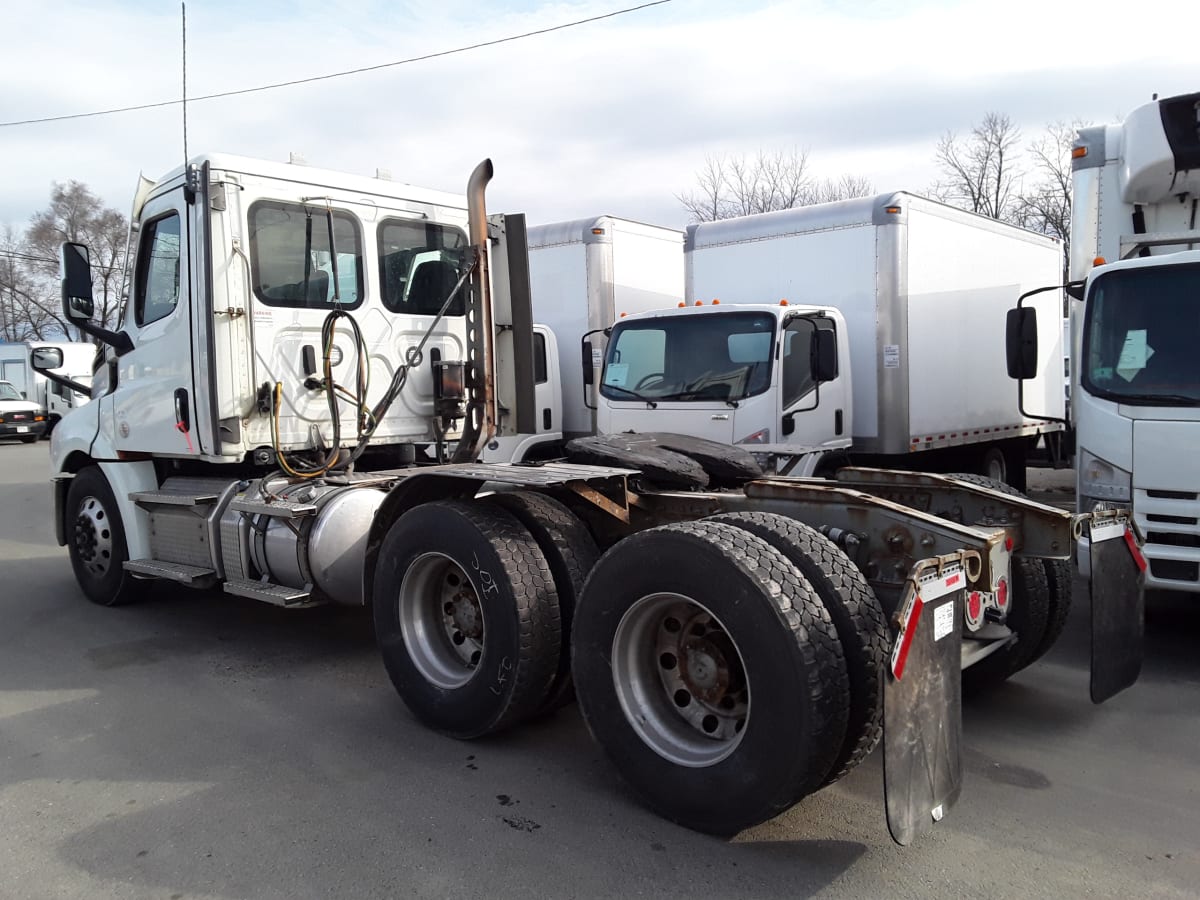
922 700
1118 605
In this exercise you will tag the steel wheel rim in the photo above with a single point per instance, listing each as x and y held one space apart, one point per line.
441 620
667 646
93 537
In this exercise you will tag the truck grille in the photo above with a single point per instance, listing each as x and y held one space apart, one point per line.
1170 520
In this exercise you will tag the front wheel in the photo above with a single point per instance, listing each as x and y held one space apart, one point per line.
96 541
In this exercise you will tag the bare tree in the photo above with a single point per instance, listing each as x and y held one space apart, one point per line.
737 185
76 214
1045 206
982 172
26 308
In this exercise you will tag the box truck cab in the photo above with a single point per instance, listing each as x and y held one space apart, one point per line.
1135 322
766 376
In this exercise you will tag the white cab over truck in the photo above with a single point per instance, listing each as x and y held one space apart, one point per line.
1135 330
51 396
583 274
301 352
905 297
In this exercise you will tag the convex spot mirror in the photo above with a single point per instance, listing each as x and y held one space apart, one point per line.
78 305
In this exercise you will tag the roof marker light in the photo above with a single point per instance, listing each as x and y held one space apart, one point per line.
597 231
783 303
892 210
699 302
716 302
1099 261
682 304
1078 152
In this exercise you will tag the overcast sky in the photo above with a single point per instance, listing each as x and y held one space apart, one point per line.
610 117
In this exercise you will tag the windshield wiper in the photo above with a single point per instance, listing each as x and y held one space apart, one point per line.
1158 399
634 394
697 395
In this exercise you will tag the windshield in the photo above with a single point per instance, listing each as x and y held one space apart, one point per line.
1142 336
8 392
716 356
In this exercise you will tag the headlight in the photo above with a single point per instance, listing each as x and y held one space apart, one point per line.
1101 480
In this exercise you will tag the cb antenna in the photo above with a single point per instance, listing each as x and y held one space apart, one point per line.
183 11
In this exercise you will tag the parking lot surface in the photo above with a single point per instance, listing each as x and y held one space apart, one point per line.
203 745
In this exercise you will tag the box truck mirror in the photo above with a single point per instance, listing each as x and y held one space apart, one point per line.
824 355
76 283
43 358
1021 343
588 371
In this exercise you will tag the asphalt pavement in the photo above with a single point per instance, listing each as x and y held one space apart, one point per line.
203 745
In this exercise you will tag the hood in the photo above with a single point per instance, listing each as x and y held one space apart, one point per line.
14 406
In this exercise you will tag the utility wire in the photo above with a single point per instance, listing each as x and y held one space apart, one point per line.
359 71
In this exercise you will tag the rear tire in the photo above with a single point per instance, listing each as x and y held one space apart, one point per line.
570 552
466 617
710 673
96 542
29 438
856 613
1032 609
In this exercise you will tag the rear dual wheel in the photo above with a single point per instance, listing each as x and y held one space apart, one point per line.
1041 601
710 672
467 617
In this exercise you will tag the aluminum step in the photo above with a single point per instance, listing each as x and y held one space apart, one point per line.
173 498
275 594
192 576
279 509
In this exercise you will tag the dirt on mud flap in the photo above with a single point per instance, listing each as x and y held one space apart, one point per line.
922 704
1118 603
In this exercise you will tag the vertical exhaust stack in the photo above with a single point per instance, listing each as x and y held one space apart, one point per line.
482 414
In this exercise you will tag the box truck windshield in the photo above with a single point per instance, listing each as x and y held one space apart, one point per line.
1142 334
716 356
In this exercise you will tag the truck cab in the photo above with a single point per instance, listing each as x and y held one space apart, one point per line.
1135 327
764 376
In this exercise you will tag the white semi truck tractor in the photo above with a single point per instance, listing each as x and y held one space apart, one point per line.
292 409
1135 329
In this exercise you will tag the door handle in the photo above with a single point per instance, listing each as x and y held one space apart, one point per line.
183 414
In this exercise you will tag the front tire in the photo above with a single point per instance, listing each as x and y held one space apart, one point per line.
710 673
96 542
466 617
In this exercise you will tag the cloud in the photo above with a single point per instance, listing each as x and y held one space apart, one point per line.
611 117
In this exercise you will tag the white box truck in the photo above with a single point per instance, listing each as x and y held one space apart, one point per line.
56 399
913 295
1135 327
583 275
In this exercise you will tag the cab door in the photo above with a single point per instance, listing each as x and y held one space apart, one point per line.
812 414
154 408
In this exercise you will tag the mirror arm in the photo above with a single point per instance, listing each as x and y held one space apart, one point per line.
118 340
1021 381
66 382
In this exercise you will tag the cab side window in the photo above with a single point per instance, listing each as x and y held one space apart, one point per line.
157 285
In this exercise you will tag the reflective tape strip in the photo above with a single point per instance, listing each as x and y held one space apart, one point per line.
1134 550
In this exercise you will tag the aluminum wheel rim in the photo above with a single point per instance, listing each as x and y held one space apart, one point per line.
680 679
441 620
93 537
